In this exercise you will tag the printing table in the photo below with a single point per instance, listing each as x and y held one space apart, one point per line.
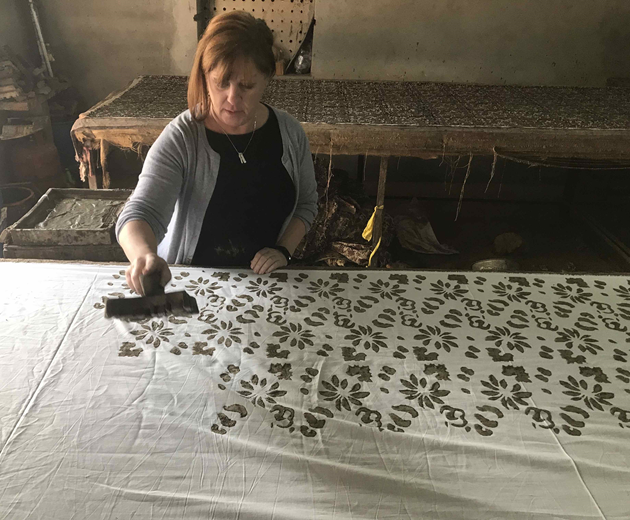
315 394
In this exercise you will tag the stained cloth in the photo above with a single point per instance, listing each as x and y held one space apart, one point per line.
316 394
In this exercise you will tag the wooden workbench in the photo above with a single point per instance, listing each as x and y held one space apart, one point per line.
385 119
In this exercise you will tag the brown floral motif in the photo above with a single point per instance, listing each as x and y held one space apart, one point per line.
418 279
510 397
573 339
200 286
440 339
153 333
375 328
129 349
421 353
200 348
257 391
295 335
439 371
281 370
447 290
623 292
385 290
283 416
541 418
579 391
487 416
338 392
503 336
622 415
513 293
427 396
575 294
368 337
207 315
224 333
324 288
263 288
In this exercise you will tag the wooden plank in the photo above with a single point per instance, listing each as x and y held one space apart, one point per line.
111 253
377 232
8 73
10 92
23 105
126 133
417 141
476 191
104 151
9 87
3 218
400 141
8 80
92 181
11 131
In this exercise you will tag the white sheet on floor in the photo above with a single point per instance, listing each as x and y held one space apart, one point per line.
316 394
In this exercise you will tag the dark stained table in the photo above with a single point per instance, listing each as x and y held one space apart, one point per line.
386 119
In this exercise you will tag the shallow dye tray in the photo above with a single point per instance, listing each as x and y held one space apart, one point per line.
71 217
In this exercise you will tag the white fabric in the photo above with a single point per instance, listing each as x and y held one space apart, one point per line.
316 394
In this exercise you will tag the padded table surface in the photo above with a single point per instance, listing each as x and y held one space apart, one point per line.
315 394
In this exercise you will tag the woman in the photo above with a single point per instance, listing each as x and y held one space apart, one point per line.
229 182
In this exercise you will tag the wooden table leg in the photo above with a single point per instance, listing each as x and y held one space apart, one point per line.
104 151
377 231
361 160
93 183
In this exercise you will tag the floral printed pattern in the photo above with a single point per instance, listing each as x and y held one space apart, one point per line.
389 350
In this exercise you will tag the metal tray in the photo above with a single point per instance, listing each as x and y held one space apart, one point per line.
71 217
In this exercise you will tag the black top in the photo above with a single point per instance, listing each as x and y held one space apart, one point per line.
250 201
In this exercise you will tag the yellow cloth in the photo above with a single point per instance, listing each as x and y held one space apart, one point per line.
367 232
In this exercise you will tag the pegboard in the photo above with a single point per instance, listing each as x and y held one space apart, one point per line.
288 19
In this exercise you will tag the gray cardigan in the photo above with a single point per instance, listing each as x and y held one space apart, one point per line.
179 175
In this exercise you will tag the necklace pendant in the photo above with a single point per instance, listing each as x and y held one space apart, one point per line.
242 157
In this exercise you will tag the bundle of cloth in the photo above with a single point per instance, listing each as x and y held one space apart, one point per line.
335 238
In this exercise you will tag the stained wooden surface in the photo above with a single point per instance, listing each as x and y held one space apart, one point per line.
397 118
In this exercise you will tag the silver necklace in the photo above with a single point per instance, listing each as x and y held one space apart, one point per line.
241 155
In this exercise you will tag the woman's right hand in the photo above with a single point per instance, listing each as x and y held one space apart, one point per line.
143 265
138 241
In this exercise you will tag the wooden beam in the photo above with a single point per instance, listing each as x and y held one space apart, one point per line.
422 142
104 151
92 181
377 232
431 142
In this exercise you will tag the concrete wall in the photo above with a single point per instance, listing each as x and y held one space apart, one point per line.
532 42
16 29
102 46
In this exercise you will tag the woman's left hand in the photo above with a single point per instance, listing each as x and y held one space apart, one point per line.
268 260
